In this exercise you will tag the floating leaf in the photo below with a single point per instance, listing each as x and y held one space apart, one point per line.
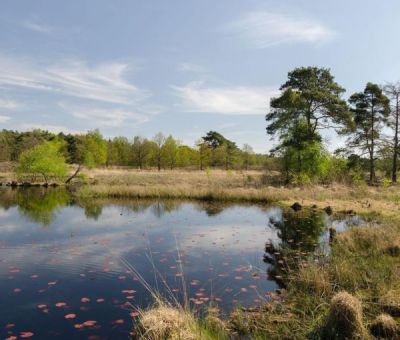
90 323
26 334
61 304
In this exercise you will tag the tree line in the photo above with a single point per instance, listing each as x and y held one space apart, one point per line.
310 102
43 153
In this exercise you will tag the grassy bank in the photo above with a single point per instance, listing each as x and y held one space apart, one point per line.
235 186
364 262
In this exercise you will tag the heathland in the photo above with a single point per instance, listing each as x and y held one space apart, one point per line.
353 292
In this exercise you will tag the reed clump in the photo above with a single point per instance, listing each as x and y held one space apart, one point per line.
390 302
385 327
165 322
344 319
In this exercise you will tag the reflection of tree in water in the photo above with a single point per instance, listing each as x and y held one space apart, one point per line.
159 208
298 234
8 197
93 210
211 208
39 204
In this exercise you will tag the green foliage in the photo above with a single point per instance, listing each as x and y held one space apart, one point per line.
94 149
13 143
223 152
169 152
310 100
40 205
141 149
370 109
118 151
386 182
310 95
303 160
45 160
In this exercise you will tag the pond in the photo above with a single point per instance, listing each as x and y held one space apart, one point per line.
69 268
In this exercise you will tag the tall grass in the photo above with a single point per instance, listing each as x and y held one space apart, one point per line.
234 186
362 262
169 318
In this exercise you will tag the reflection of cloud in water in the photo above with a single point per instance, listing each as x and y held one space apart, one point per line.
77 242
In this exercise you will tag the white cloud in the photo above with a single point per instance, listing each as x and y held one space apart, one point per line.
4 119
36 27
263 29
9 104
234 100
105 117
51 128
103 82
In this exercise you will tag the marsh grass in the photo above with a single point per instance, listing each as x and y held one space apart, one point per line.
235 186
359 263
170 318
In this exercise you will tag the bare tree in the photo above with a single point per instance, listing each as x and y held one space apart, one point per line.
392 90
248 153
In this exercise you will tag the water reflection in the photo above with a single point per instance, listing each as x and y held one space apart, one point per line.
298 234
80 256
37 204
41 204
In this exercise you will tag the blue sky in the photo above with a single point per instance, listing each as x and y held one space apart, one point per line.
181 67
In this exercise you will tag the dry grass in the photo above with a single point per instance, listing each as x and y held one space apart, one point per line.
250 186
384 326
390 302
345 320
165 322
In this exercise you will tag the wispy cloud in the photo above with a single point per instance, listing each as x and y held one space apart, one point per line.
191 67
4 119
9 104
102 82
36 27
231 100
48 127
105 117
262 29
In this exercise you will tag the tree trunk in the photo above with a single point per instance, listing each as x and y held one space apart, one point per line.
73 175
396 143
372 177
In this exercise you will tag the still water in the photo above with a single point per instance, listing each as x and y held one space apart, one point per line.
68 268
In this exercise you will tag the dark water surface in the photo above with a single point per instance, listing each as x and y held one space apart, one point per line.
63 262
